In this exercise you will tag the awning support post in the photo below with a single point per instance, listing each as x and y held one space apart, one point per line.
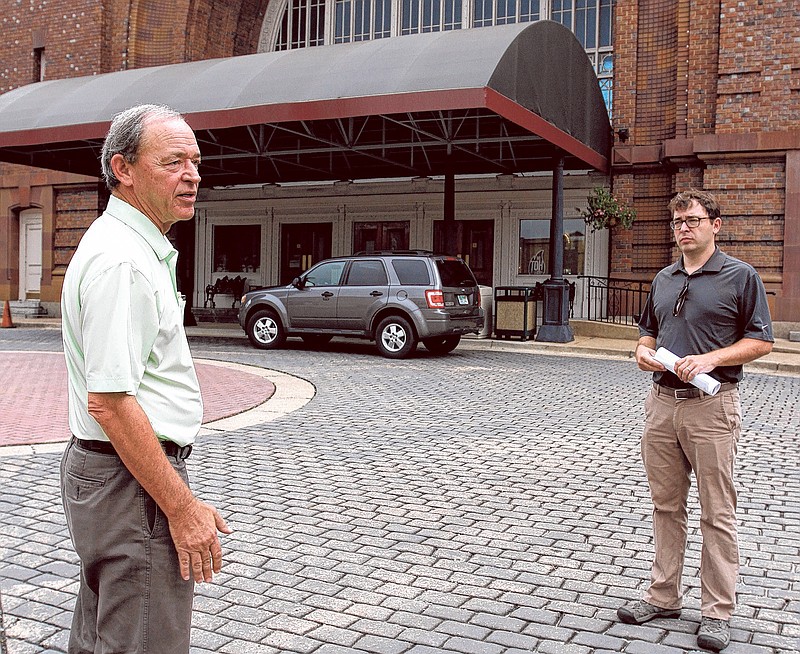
555 326
449 230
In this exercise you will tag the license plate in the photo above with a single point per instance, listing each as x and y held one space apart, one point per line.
463 299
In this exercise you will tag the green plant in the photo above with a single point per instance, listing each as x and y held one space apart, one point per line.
604 211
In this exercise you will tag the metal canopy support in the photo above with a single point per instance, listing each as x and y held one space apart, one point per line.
555 327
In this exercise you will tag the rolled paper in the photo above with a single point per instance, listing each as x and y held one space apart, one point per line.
704 382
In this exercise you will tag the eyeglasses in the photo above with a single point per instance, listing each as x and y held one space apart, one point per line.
691 221
681 298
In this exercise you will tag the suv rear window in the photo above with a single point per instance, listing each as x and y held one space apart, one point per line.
454 272
411 272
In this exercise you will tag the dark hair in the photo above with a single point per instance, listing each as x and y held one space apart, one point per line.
125 136
706 200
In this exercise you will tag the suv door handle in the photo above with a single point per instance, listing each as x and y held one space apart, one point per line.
376 294
327 294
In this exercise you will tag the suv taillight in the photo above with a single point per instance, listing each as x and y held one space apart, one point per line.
435 299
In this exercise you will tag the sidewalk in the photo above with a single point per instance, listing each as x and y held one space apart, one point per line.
592 339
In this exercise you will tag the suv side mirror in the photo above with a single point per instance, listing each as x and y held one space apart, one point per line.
298 283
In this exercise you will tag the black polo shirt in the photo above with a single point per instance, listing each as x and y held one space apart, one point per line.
725 302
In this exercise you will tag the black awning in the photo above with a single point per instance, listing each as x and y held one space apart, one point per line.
489 100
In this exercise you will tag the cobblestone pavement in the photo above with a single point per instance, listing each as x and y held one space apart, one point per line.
482 502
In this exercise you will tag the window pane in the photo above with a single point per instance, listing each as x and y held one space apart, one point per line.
342 27
607 89
411 272
454 272
237 248
317 27
506 12
586 22
562 12
282 42
326 274
367 273
529 11
383 15
483 13
605 23
410 24
534 247
452 14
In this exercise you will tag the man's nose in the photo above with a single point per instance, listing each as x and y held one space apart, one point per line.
191 173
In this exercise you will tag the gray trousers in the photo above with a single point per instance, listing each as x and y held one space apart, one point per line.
131 599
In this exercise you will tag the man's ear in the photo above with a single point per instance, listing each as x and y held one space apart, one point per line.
121 169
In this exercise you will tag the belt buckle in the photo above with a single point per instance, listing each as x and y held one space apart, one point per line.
184 452
685 393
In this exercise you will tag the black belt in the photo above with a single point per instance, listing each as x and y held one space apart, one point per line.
690 393
104 447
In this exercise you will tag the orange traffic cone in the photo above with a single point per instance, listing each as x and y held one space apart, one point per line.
7 316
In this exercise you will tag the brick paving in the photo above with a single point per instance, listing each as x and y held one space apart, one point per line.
34 399
486 502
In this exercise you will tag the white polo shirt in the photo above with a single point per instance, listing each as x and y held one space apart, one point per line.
122 326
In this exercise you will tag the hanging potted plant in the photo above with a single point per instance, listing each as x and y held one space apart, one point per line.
605 211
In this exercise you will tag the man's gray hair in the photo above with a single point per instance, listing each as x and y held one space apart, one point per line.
125 136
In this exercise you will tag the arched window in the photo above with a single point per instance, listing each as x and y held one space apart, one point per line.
292 24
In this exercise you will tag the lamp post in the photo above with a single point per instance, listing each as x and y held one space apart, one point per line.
555 325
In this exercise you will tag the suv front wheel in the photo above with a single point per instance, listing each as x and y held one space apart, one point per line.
265 330
395 338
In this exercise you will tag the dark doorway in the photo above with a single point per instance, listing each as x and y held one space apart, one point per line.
374 236
303 245
475 239
182 235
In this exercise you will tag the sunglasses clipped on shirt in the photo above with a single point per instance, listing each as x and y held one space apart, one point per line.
691 221
681 298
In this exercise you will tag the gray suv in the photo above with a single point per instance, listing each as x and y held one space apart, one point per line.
396 299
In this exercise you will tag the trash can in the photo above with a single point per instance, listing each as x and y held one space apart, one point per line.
487 304
515 312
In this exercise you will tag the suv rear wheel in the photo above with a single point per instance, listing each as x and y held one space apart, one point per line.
441 344
395 338
265 330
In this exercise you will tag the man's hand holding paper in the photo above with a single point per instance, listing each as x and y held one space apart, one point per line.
691 369
645 356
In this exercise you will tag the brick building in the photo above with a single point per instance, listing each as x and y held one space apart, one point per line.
703 93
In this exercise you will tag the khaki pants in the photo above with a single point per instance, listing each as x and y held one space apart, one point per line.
131 598
680 437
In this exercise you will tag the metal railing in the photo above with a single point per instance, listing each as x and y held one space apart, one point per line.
614 300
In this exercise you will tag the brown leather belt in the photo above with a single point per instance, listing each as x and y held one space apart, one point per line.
104 447
690 393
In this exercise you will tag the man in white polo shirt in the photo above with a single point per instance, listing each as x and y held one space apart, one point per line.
135 407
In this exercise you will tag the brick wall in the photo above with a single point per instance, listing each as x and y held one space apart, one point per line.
75 209
759 66
706 67
752 198
70 31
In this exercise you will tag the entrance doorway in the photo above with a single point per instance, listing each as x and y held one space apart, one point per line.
374 236
475 241
303 245
30 254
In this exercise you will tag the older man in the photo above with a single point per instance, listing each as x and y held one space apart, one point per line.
711 311
135 408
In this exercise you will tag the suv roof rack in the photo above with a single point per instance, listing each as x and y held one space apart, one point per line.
379 253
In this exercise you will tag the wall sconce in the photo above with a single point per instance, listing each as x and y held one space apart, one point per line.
624 134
